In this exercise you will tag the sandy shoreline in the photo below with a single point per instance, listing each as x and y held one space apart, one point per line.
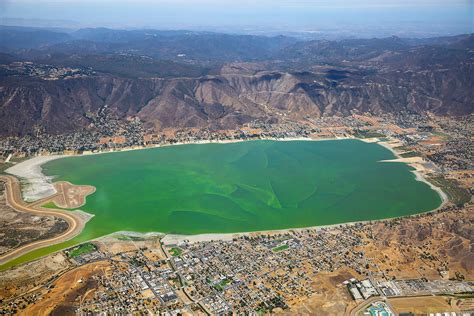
415 162
176 239
172 239
41 186
37 185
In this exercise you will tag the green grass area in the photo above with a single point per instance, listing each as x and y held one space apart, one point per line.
410 154
81 249
175 251
130 238
51 205
402 148
4 166
222 284
280 248
444 136
368 134
176 281
455 193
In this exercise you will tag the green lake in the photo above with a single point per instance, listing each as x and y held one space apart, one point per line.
241 187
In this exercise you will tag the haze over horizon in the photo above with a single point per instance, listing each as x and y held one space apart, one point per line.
340 18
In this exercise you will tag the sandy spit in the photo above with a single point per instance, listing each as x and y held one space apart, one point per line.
38 185
415 162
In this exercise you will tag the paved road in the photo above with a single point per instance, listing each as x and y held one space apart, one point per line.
13 198
356 310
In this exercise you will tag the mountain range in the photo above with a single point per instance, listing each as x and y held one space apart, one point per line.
56 80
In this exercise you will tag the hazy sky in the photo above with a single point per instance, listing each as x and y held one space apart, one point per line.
353 16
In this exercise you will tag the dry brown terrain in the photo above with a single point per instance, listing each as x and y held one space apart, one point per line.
430 304
19 228
31 275
71 196
411 247
75 220
423 246
331 298
74 285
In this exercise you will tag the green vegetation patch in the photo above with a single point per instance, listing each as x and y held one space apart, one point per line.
81 250
456 194
222 284
280 248
130 238
368 134
444 136
410 154
51 205
175 251
4 166
402 148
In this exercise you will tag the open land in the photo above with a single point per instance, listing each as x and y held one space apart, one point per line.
73 221
19 228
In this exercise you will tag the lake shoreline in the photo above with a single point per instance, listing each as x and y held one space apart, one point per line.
414 163
32 168
39 186
175 239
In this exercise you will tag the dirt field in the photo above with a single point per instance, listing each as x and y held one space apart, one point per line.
30 275
75 220
118 243
420 246
429 304
71 196
331 298
74 285
19 228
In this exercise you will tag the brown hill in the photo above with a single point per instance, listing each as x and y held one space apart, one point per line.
227 100
61 93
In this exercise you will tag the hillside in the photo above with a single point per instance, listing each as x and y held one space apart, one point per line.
50 88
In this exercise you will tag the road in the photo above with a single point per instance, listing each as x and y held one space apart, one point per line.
358 309
13 199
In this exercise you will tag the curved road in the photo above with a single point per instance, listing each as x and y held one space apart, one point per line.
13 198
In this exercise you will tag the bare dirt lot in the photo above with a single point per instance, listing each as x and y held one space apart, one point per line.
73 286
331 298
28 276
429 304
71 196
19 228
